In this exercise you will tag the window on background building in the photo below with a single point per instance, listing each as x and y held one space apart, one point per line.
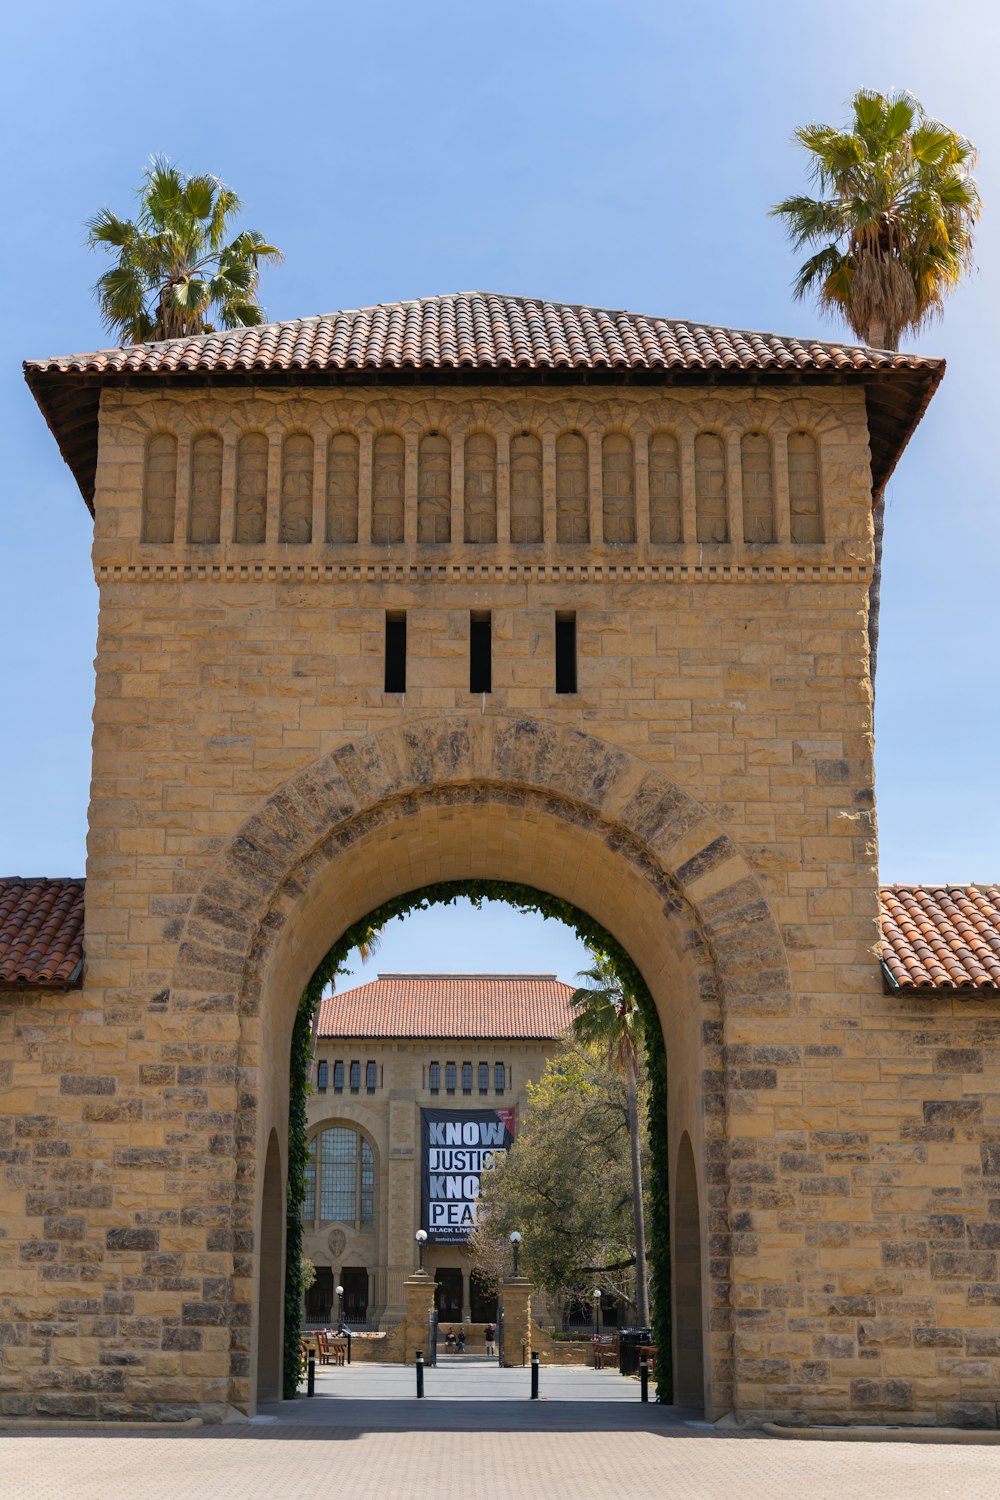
355 1077
338 1078
499 1078
371 1077
322 1070
466 1078
434 1078
450 1077
342 1164
484 1078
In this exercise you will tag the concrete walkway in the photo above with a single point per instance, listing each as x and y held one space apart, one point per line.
364 1438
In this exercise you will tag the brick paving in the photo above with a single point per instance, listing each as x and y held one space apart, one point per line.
573 1445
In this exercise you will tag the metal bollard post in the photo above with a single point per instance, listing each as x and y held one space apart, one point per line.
311 1373
644 1379
420 1374
534 1375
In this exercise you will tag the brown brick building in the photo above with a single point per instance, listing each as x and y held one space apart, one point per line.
482 587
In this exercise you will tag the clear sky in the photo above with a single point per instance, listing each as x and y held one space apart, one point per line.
622 154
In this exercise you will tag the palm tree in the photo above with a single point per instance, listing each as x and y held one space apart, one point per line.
175 262
894 230
608 1017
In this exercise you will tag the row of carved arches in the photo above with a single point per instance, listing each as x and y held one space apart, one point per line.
379 469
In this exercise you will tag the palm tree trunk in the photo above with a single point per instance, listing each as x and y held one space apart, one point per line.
641 1273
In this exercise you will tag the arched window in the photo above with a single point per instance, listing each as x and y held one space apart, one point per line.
342 469
803 488
296 488
664 488
480 488
619 488
434 489
572 489
388 474
206 488
251 488
159 497
340 1178
710 488
758 488
526 524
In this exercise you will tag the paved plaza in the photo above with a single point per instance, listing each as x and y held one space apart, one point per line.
476 1436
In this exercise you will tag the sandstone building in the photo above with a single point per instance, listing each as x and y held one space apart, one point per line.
486 587
387 1051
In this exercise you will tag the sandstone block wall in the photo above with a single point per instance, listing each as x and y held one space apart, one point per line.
707 793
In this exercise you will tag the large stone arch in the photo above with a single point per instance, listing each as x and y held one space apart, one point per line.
503 798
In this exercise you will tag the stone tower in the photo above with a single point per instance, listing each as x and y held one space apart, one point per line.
659 537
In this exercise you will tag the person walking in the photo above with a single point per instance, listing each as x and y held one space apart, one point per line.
490 1335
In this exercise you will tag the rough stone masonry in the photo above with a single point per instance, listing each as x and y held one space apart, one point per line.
694 508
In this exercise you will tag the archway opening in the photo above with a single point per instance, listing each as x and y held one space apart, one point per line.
689 1360
451 1299
269 1319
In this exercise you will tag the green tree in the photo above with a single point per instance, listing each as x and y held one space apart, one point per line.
609 1018
566 1184
893 226
176 261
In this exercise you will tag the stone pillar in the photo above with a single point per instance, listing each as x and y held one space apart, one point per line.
466 1294
418 1297
517 1320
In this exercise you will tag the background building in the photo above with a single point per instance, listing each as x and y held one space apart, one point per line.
384 1052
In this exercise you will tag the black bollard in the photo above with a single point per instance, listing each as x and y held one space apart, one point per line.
311 1373
420 1374
644 1379
534 1375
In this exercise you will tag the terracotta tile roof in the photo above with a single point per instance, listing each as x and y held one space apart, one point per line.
479 335
456 1006
41 932
481 330
941 937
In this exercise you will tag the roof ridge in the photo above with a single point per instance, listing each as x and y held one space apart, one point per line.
314 319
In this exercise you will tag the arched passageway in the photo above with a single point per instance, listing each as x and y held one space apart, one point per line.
689 1340
272 1279
514 801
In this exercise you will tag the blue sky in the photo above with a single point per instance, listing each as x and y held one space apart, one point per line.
619 154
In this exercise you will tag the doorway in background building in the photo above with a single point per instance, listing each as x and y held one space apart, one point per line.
449 1294
354 1280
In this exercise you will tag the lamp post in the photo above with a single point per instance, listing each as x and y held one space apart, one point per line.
597 1312
340 1309
515 1240
421 1239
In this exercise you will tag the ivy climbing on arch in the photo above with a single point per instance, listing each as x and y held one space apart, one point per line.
530 901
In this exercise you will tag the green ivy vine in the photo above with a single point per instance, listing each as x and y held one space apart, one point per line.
527 899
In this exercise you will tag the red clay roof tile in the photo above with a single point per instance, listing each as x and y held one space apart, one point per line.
942 937
455 1006
41 932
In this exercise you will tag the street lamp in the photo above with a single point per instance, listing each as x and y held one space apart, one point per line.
515 1240
421 1239
597 1312
340 1308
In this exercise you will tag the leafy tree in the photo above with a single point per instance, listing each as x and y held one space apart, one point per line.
609 1018
894 229
175 260
566 1184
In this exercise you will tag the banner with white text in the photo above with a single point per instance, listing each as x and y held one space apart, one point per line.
457 1145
